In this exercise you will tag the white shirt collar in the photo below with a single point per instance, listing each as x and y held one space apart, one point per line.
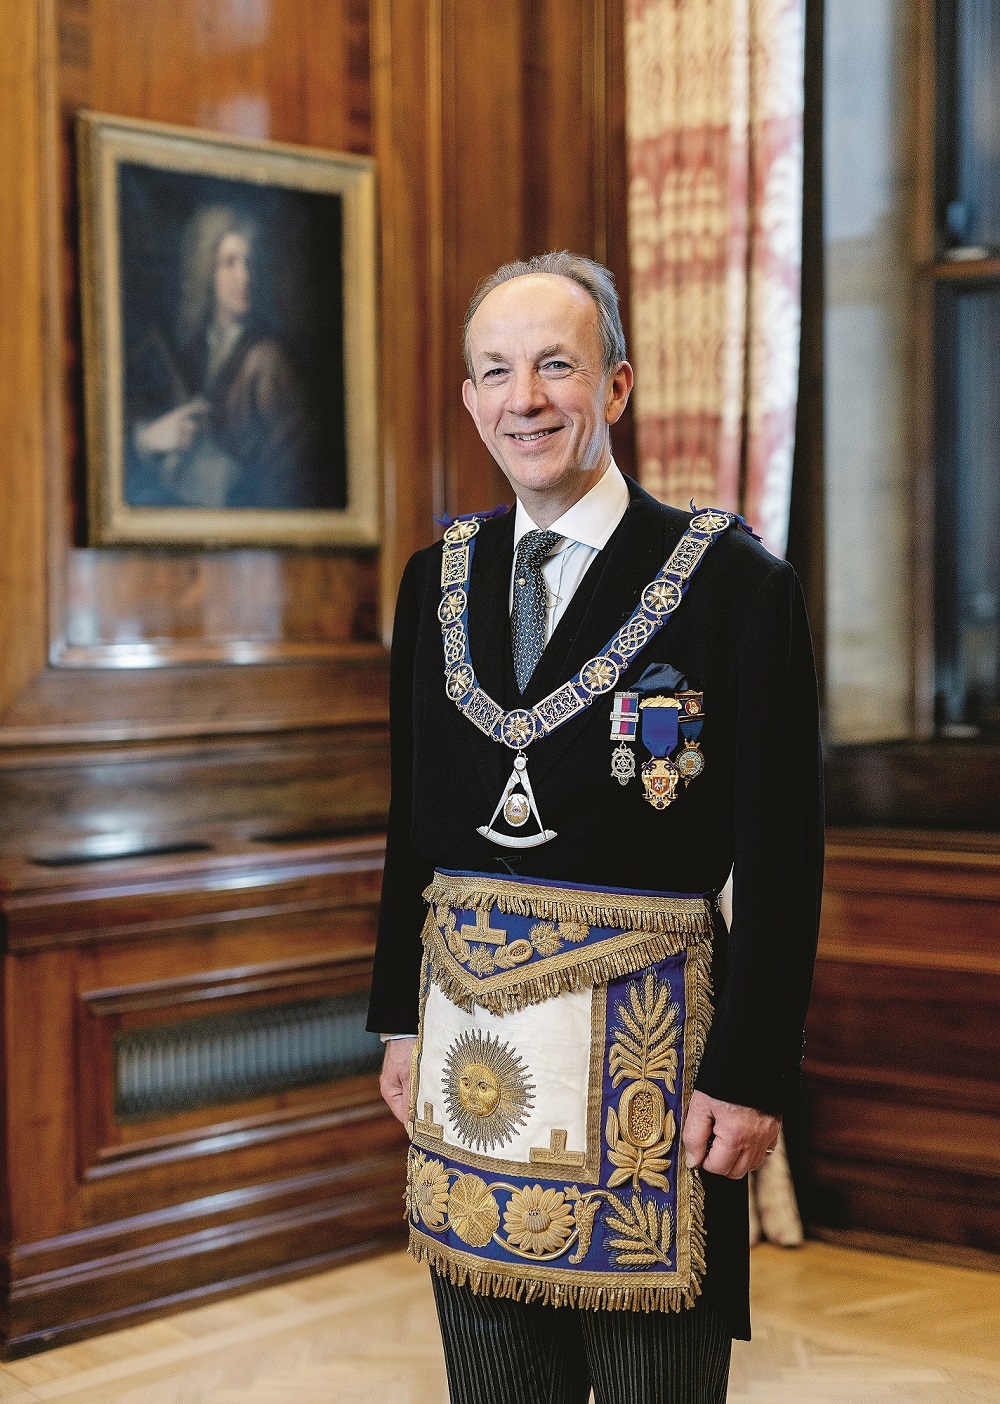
593 519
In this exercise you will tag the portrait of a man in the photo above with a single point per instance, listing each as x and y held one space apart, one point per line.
222 404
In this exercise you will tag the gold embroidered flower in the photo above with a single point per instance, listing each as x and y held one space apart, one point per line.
458 945
429 1192
574 931
472 1211
538 1220
545 938
481 961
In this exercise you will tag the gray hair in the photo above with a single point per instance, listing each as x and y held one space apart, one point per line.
593 277
203 234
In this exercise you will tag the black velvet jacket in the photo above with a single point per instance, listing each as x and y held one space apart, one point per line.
741 637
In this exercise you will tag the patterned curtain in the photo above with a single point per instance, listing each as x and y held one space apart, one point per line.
715 195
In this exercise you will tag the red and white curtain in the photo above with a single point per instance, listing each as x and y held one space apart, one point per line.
715 93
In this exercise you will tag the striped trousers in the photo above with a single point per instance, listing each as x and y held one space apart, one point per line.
504 1352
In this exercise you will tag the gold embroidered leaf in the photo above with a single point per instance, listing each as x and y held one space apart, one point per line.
652 1219
648 1027
611 1128
661 1000
665 1232
640 1231
619 1177
635 1024
584 1211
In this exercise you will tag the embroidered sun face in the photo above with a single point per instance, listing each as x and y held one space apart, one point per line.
486 1090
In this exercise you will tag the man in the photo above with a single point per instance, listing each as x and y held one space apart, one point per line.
600 705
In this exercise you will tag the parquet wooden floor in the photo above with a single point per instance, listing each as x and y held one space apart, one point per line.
831 1326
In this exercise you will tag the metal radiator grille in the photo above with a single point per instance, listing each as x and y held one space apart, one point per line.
233 1057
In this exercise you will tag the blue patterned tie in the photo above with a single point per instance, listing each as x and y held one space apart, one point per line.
531 600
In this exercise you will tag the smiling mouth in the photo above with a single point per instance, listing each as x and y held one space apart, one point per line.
536 434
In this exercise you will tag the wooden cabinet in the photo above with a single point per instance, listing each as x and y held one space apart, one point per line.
903 1042
192 1104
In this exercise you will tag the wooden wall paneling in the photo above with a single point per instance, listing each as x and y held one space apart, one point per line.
902 1050
613 248
230 795
483 97
128 1217
101 705
406 91
22 294
107 1144
41 1125
498 134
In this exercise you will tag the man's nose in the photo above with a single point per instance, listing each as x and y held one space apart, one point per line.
527 392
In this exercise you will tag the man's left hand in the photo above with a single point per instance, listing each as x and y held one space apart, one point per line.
726 1139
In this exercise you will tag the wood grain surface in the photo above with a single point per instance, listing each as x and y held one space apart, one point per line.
902 1046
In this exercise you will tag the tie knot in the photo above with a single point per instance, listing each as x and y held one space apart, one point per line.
534 546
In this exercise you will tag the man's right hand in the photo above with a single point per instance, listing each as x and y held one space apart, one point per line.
394 1084
175 431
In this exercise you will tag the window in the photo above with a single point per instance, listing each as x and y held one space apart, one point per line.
966 359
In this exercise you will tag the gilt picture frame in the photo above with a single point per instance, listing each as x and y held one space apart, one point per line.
229 305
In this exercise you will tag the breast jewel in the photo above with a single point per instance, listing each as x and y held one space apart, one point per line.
519 728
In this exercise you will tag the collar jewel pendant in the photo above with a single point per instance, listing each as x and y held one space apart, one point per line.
518 729
622 764
517 805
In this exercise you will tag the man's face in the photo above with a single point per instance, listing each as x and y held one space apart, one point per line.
232 276
540 399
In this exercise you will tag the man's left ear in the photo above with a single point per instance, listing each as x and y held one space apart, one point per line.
619 389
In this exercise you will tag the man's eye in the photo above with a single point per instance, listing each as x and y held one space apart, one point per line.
496 371
556 365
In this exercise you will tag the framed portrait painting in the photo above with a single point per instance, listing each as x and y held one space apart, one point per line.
229 339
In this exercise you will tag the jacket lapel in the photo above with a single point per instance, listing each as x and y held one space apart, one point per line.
489 611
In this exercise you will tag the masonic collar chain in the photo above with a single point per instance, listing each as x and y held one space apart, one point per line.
517 729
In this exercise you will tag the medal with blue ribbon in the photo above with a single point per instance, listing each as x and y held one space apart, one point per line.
660 720
691 761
